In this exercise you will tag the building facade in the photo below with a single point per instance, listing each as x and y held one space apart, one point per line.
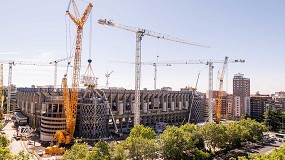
99 118
258 104
241 96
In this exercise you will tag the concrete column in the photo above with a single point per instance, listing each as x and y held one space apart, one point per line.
121 108
180 105
133 107
172 106
145 107
164 108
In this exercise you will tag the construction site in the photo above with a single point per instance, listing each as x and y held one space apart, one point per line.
61 114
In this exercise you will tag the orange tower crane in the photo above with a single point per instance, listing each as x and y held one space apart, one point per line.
220 93
70 104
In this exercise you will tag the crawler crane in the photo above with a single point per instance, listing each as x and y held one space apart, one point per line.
70 104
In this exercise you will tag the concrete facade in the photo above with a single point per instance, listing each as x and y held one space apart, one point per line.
44 109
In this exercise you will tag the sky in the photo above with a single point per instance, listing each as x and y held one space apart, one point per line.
40 31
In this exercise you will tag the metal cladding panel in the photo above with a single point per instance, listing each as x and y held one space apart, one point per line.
93 120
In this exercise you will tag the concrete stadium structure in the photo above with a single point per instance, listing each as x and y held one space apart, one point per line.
98 118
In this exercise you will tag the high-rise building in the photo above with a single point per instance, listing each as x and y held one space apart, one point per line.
241 96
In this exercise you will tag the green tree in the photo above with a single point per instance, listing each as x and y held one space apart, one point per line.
5 153
185 142
173 143
254 129
274 118
100 151
214 135
141 143
236 134
118 151
78 151
4 142
21 156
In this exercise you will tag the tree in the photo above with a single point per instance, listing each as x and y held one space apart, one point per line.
173 143
141 143
214 135
21 156
77 152
274 118
185 142
236 134
118 151
100 151
5 153
4 142
254 129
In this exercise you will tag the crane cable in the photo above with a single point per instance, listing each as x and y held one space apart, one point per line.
90 35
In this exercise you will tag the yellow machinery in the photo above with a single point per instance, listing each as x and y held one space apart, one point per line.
70 104
220 93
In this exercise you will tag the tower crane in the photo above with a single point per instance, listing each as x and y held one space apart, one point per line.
107 75
210 85
221 79
55 68
139 35
70 105
11 64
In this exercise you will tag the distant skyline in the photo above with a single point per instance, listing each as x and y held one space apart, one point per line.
251 30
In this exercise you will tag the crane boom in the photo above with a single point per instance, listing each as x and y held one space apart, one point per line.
147 32
220 93
139 34
70 105
72 109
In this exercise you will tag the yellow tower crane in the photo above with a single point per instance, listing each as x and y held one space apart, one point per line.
70 104
220 93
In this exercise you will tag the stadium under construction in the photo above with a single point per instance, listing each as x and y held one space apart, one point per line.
102 113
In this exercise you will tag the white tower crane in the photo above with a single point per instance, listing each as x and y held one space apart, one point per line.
55 68
139 34
107 75
210 85
11 64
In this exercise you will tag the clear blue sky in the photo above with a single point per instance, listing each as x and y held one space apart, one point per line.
245 29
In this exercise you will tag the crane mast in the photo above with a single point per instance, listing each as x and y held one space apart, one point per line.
139 34
107 75
220 93
210 85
